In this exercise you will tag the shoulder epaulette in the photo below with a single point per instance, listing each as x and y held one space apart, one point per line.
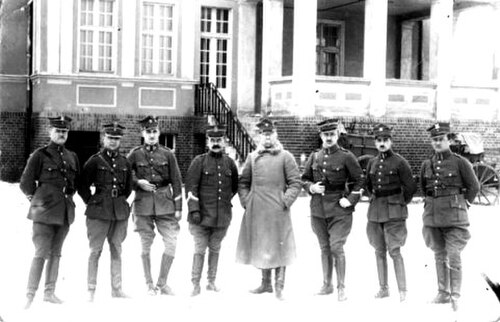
343 149
136 148
164 148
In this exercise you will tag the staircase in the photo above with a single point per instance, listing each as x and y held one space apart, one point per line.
209 101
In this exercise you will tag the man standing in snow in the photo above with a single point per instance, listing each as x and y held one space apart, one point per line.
49 181
107 209
211 183
269 185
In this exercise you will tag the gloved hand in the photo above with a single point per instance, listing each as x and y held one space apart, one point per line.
195 217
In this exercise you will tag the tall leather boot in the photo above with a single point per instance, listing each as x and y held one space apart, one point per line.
146 265
327 266
265 286
340 269
34 277
51 273
116 275
456 285
166 263
382 276
443 278
92 274
399 269
279 277
196 272
213 261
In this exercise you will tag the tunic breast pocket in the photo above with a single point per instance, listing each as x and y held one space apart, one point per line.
122 174
49 173
142 170
451 177
163 167
103 175
391 177
337 173
208 176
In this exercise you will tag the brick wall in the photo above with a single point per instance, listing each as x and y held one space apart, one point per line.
411 140
184 128
12 134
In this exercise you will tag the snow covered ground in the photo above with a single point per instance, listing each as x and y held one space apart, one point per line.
234 303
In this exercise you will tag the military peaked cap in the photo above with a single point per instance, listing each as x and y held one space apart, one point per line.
439 128
60 122
266 125
328 125
216 131
113 129
149 122
382 130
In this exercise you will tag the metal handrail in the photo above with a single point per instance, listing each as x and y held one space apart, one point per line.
208 100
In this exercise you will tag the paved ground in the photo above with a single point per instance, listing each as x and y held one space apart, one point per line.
234 302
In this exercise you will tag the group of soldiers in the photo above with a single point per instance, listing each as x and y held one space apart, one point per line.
268 185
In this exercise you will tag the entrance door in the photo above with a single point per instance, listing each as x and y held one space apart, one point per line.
216 49
84 144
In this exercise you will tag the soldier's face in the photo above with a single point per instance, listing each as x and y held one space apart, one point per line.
216 144
383 144
440 143
58 136
329 138
268 139
111 142
151 136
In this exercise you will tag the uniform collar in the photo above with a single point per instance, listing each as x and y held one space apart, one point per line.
56 147
386 154
332 149
443 155
151 148
215 154
111 153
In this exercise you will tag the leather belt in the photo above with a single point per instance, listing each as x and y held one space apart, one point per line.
387 193
443 193
334 188
114 192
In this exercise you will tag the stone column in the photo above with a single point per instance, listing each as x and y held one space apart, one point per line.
441 33
272 45
374 63
304 57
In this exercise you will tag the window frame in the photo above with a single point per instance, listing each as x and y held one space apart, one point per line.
213 36
329 49
156 38
95 41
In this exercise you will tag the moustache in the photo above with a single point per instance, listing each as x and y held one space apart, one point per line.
216 146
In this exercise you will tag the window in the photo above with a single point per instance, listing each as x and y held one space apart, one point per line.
157 38
329 48
97 36
214 46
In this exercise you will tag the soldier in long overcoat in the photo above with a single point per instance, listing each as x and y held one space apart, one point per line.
390 184
326 177
450 186
211 183
107 210
49 181
269 185
157 202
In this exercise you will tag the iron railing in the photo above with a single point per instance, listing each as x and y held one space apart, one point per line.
209 101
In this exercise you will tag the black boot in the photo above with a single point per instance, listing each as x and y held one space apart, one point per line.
456 285
166 263
327 266
340 269
443 277
279 276
382 276
196 272
265 286
92 274
51 273
116 275
399 269
213 261
34 277
146 265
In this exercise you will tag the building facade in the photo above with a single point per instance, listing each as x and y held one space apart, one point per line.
405 62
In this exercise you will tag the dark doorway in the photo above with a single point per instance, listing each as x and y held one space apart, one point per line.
84 144
200 145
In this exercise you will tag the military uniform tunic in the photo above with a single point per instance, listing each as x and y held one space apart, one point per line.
49 180
158 166
335 167
449 184
391 187
107 209
211 183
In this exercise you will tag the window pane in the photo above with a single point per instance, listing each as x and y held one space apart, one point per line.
206 17
221 69
222 21
330 34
